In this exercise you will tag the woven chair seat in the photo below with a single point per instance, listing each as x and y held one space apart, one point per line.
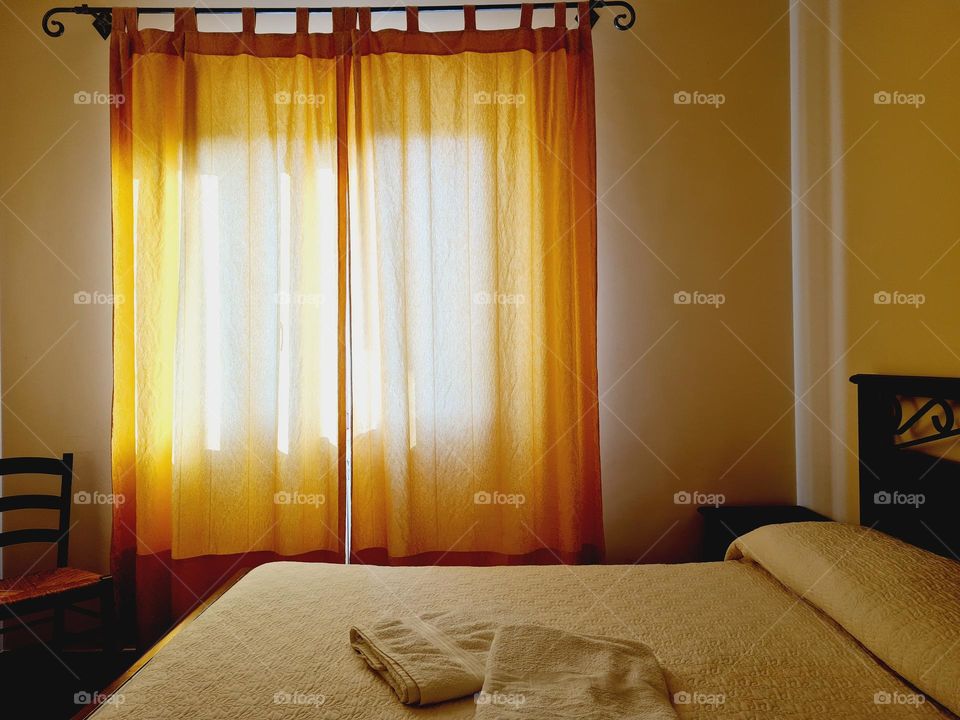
42 584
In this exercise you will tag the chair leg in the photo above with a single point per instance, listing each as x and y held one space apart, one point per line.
108 617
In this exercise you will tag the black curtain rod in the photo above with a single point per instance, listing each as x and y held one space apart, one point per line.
103 16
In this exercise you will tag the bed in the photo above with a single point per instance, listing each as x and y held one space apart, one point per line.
809 620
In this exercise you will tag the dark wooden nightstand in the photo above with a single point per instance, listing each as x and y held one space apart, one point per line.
723 525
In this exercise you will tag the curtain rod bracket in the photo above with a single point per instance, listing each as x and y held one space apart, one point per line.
624 18
103 23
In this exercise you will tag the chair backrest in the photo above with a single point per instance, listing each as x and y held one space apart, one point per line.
40 466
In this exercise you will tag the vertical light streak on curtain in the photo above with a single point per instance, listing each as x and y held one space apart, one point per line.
473 286
283 390
210 240
134 234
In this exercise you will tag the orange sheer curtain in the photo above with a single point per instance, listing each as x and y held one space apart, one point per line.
473 294
394 229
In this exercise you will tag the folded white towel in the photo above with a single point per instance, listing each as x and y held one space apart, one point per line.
427 659
537 673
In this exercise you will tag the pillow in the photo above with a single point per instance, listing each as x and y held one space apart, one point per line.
902 603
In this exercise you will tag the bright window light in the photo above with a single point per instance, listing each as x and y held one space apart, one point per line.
284 298
210 240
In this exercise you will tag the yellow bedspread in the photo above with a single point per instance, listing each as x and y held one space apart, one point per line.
732 640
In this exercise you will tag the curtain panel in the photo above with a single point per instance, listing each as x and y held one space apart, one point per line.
355 251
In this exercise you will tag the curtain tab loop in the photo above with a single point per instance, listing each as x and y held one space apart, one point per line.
526 16
125 19
365 19
344 19
413 22
249 16
303 20
560 15
469 17
184 20
584 11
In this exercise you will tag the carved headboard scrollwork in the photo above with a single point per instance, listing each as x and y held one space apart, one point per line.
909 466
944 425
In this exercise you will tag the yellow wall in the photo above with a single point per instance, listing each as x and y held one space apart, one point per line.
692 399
890 204
703 410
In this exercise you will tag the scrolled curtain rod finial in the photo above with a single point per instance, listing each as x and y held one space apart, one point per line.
102 19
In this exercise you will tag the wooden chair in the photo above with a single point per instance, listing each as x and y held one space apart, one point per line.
50 590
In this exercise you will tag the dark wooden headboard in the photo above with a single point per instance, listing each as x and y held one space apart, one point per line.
908 487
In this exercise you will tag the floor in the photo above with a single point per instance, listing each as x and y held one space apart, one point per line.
64 678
